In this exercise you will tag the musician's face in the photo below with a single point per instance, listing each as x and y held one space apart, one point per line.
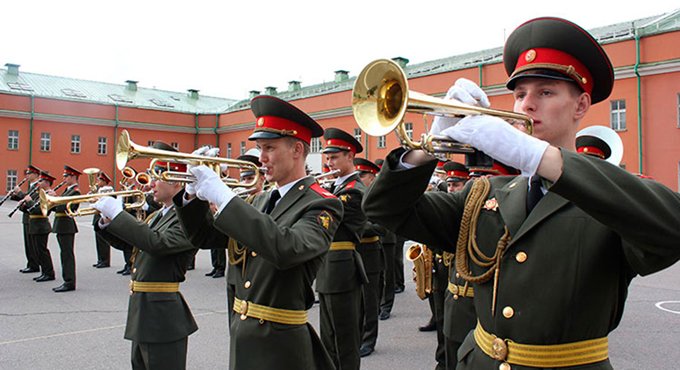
279 158
164 191
32 176
556 107
367 178
343 161
454 186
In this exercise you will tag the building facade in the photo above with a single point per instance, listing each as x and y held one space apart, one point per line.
50 121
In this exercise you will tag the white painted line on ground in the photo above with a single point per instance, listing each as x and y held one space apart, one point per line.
660 305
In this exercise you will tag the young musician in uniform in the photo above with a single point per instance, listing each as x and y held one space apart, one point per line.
32 174
286 233
39 227
159 320
559 251
103 247
65 228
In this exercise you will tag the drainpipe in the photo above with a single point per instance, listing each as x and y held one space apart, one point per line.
115 144
481 75
217 136
30 131
196 127
639 98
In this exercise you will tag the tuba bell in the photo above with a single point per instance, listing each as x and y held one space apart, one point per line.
381 98
421 256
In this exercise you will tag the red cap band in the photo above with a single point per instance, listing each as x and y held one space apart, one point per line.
341 144
591 150
284 127
557 60
456 173
364 168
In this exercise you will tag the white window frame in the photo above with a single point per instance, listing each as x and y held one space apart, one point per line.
13 140
228 150
242 150
75 144
102 145
12 180
315 145
408 127
617 115
382 141
45 142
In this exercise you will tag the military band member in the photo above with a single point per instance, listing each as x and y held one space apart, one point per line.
566 249
65 228
456 176
103 247
286 233
32 174
373 257
342 274
159 320
39 227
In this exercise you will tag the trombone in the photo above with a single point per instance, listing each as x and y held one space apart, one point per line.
127 150
381 98
49 201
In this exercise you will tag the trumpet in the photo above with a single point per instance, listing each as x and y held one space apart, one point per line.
327 174
49 201
381 98
12 191
127 150
129 173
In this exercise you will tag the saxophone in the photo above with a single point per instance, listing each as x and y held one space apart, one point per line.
421 257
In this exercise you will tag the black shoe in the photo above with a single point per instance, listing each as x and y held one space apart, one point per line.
190 267
429 327
102 265
122 270
29 270
365 351
38 277
96 264
211 273
399 289
218 274
384 315
126 271
64 288
44 278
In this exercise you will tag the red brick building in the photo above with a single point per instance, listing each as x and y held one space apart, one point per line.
50 121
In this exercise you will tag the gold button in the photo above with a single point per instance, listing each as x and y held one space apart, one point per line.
455 296
247 284
512 185
454 289
508 312
134 270
521 257
457 275
243 317
530 56
504 366
253 253
131 292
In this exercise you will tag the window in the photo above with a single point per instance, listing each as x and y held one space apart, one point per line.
243 148
101 145
13 140
45 142
175 145
408 127
315 145
618 115
381 141
75 144
11 180
357 134
149 143
228 150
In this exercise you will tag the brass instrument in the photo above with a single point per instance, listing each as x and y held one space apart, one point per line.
55 189
143 178
421 256
48 201
12 191
92 178
129 174
327 174
381 98
127 150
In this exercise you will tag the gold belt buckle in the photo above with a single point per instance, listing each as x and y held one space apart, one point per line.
499 349
244 310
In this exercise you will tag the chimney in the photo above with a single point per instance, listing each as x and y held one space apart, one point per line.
131 85
270 90
294 86
341 75
12 69
193 93
253 93
401 61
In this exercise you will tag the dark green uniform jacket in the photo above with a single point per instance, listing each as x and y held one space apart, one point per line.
596 228
164 252
64 224
285 250
39 225
343 270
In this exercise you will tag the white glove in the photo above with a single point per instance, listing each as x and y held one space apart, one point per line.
210 187
465 91
109 207
205 151
500 141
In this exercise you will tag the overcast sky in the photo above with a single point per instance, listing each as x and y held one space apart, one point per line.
227 48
